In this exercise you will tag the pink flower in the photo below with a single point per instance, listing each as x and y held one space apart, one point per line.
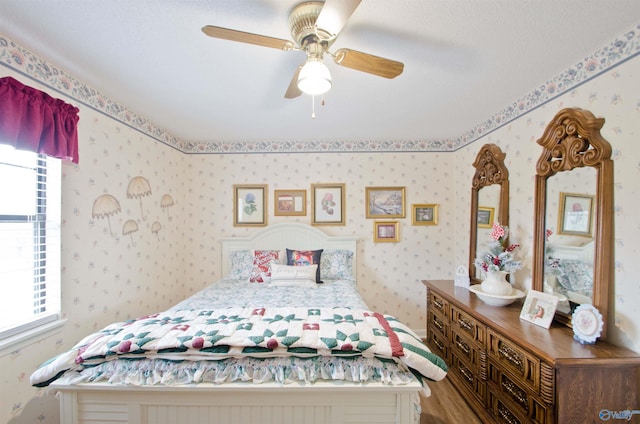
497 231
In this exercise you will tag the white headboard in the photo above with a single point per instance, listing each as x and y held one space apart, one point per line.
286 235
583 253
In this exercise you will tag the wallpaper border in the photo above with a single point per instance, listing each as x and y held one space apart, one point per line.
23 61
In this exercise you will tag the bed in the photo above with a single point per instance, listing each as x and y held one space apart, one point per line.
569 274
310 353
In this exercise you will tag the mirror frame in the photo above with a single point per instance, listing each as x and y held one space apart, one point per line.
490 170
573 140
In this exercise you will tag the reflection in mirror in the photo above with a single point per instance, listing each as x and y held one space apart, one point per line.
569 253
574 195
488 209
489 199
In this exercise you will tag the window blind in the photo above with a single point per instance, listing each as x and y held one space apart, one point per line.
29 241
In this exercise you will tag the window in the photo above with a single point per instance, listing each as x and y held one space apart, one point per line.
29 242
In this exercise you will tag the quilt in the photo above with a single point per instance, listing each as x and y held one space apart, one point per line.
255 332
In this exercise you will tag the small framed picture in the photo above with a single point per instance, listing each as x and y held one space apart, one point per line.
424 214
386 232
485 217
539 308
290 202
249 205
385 202
574 216
327 204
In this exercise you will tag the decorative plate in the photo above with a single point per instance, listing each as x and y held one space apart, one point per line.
587 324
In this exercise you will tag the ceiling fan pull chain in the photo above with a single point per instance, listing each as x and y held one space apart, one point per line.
313 107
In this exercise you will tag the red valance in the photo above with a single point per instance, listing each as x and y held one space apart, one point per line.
32 120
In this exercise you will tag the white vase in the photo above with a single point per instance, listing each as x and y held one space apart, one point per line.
496 283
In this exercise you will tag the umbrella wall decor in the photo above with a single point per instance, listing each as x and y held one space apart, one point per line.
155 228
166 201
105 206
130 227
138 188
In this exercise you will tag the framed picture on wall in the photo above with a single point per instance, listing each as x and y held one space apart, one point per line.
385 202
249 205
290 202
575 214
328 204
424 214
386 232
485 217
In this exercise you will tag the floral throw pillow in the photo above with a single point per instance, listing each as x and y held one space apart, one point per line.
262 260
336 265
241 264
305 258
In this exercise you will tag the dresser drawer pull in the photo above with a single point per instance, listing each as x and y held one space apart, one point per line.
438 343
463 347
515 392
437 303
465 325
506 415
466 374
438 324
510 355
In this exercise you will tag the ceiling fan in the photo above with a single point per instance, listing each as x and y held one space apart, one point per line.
314 26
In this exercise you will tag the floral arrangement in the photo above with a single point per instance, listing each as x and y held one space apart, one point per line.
500 256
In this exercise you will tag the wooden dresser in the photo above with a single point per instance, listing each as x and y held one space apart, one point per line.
513 371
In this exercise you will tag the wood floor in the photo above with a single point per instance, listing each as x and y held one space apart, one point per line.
446 406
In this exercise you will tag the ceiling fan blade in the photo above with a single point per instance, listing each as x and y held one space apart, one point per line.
293 91
335 14
369 63
247 37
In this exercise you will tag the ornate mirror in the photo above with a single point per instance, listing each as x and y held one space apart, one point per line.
573 228
489 199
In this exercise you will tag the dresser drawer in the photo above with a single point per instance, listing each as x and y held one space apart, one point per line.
468 378
509 355
438 344
463 323
467 351
515 395
503 412
438 324
438 303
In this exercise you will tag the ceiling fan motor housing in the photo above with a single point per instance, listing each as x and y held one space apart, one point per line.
302 23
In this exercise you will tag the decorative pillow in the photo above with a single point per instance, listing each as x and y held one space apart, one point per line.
336 265
262 260
305 257
299 276
576 276
241 264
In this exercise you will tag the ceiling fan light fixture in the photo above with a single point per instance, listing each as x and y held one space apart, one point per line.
314 78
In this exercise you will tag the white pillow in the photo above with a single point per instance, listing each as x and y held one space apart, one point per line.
287 275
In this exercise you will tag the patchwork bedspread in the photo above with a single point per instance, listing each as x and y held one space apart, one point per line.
202 336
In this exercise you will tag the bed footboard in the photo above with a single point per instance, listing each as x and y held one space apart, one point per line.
320 403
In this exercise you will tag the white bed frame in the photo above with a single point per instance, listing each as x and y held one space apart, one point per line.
323 402
584 253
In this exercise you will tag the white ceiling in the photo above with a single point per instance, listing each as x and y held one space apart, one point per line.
464 61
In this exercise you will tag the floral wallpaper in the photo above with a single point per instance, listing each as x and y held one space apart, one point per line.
141 217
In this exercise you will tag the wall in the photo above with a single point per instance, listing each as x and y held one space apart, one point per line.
112 277
106 275
388 274
615 95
